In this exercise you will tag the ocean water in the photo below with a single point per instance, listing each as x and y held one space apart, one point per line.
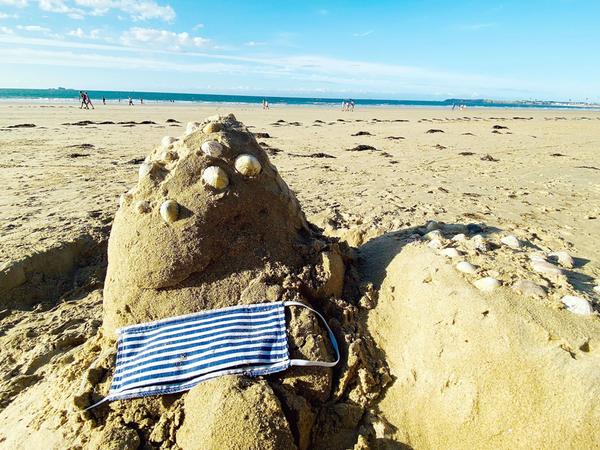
70 95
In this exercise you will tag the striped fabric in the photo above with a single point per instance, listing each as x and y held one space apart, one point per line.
175 354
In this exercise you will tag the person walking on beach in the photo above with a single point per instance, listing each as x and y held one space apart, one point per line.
103 100
141 101
130 102
83 102
88 100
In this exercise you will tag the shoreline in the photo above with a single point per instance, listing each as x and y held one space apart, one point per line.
274 106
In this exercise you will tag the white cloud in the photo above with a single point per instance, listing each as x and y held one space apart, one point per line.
198 26
81 34
137 9
5 30
8 16
16 3
61 7
366 33
166 39
33 28
77 9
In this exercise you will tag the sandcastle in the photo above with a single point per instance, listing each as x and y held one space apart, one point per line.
208 222
211 224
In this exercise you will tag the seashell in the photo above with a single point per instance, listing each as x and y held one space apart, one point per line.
564 259
142 206
466 267
435 243
536 256
212 148
528 288
459 237
435 234
191 127
216 177
545 267
478 242
248 165
432 225
487 284
145 168
169 211
211 127
577 305
511 241
167 141
450 252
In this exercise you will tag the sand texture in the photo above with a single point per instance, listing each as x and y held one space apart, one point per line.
455 254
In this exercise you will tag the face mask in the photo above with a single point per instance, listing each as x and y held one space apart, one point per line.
175 354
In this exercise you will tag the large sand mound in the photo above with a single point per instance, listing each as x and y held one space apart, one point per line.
479 370
212 224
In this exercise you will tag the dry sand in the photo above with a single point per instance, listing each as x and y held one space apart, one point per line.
470 369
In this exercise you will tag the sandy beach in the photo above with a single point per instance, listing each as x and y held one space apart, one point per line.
467 365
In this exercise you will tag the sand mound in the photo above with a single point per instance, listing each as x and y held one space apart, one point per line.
211 224
223 241
475 369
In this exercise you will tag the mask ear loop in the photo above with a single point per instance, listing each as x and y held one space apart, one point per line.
305 362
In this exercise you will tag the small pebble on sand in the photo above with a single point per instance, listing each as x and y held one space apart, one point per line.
435 243
545 267
511 241
577 305
564 259
528 288
450 252
435 234
487 284
478 242
466 267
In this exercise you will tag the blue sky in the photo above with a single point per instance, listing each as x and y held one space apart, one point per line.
404 49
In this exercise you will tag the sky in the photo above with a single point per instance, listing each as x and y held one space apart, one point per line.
397 49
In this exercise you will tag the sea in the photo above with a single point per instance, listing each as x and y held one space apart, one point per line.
62 95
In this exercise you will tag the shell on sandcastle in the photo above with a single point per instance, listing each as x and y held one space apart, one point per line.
212 148
231 232
215 177
169 211
247 165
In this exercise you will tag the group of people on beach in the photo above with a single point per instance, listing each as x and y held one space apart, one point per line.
265 103
348 105
86 102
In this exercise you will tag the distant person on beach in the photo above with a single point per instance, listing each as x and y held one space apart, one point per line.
141 101
130 101
103 100
351 105
85 100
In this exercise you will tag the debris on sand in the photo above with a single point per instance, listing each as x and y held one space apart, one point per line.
361 148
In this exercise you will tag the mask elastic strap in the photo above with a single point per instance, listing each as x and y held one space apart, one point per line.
305 362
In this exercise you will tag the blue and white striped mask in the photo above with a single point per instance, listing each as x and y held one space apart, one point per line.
175 354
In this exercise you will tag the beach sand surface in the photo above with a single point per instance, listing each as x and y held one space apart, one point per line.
373 178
